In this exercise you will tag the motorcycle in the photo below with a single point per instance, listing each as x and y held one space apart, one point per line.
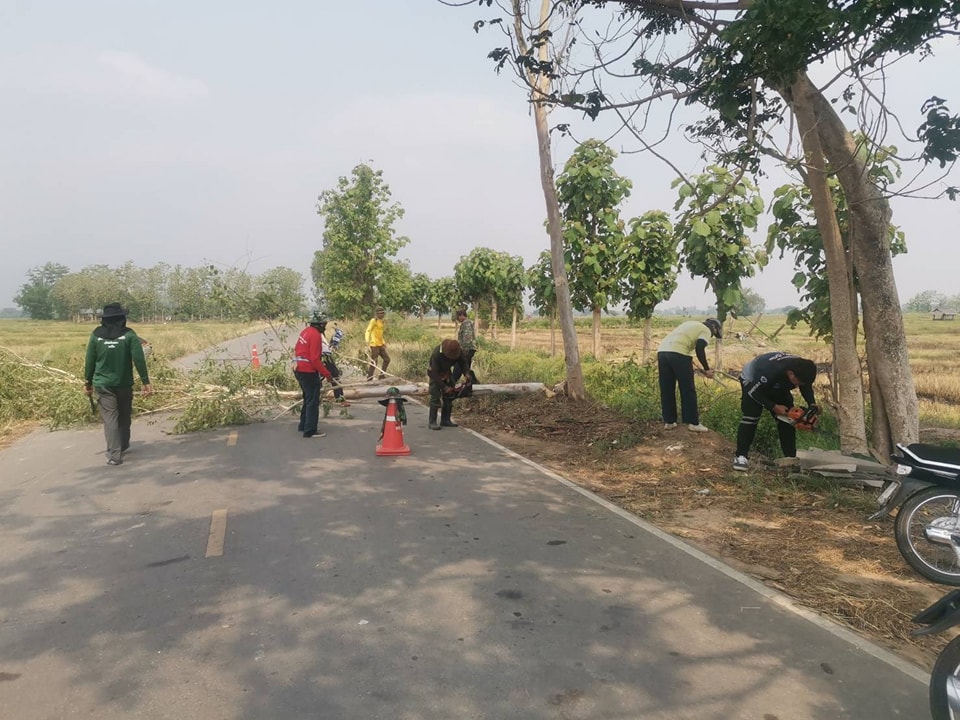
945 678
925 487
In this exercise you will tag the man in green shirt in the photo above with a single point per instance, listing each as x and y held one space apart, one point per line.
112 352
675 368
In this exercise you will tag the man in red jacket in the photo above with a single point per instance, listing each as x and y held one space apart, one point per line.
309 370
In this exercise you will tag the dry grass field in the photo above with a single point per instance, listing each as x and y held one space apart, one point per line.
934 348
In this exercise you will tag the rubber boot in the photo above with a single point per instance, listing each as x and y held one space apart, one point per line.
433 419
445 420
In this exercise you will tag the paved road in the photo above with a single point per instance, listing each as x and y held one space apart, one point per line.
457 582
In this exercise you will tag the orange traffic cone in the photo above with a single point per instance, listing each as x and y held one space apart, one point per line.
392 438
254 358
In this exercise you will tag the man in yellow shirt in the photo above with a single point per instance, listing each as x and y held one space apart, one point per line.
675 368
378 346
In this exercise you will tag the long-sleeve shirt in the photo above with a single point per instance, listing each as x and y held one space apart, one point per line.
440 368
374 333
687 338
766 375
467 335
109 362
309 352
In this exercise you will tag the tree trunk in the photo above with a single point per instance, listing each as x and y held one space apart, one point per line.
647 336
597 351
848 373
553 332
493 318
895 410
513 331
576 388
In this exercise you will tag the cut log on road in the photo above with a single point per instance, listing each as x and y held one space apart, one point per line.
357 392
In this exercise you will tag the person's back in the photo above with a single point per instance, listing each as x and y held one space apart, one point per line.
113 351
683 338
675 370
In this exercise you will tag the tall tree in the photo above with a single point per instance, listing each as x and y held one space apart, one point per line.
590 194
36 295
718 210
444 295
509 285
476 278
358 240
420 292
648 268
396 287
530 35
768 45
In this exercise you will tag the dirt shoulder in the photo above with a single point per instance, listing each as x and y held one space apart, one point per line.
801 535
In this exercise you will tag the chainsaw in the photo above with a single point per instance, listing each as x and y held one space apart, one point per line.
801 418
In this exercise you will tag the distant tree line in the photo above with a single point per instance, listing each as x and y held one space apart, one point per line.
161 292
929 300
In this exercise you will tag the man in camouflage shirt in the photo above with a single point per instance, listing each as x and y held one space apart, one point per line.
467 337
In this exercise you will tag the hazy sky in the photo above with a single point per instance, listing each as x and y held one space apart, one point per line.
202 132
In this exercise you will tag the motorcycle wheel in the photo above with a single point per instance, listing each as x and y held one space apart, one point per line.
945 683
930 507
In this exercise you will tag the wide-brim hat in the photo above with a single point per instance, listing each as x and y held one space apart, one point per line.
113 310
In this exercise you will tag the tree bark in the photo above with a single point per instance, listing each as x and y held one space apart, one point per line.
895 409
850 405
576 388
647 336
553 332
513 330
493 318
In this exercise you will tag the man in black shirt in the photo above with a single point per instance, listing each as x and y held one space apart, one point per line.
766 382
446 363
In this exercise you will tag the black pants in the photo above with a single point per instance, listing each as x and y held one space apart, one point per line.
438 399
329 364
752 410
676 369
310 383
467 362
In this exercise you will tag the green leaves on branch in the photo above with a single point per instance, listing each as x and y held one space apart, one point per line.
718 208
591 192
940 133
540 281
489 278
358 243
649 264
794 231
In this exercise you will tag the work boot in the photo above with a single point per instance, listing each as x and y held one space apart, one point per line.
433 419
445 420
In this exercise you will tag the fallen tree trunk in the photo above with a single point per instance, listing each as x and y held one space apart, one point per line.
422 389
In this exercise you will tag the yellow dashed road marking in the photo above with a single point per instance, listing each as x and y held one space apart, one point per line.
218 530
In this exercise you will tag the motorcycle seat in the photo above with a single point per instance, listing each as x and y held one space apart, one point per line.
932 456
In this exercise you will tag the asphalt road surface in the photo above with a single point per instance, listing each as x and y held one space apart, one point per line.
249 573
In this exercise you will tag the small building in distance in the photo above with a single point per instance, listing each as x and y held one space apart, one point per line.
943 313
